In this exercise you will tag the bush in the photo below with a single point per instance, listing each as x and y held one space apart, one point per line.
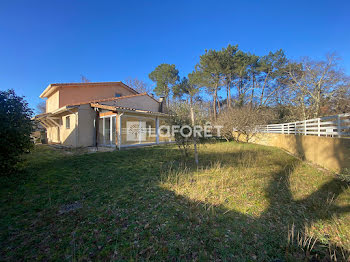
180 116
15 129
243 120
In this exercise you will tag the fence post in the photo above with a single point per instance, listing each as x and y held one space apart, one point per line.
295 128
319 126
282 128
338 126
157 130
304 127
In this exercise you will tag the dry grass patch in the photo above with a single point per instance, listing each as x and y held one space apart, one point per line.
267 185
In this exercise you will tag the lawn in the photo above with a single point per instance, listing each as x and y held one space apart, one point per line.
245 202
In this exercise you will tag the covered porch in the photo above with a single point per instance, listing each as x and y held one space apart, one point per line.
61 126
122 127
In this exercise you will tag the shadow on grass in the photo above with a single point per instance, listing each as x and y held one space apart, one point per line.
126 214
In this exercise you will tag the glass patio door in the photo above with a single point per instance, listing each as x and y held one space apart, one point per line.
108 130
137 130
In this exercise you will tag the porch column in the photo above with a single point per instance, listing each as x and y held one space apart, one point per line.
120 130
96 125
103 131
110 130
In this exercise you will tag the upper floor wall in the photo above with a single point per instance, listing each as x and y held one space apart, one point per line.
52 102
59 95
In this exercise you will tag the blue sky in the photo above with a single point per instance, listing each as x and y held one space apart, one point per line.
43 42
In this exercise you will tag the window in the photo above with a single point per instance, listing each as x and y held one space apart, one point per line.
68 122
118 95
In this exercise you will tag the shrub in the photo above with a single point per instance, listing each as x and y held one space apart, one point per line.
15 129
243 120
180 116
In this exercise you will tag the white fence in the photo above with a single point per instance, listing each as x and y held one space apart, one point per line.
333 126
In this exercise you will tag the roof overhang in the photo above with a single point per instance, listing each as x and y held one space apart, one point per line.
63 109
48 90
47 120
50 119
53 87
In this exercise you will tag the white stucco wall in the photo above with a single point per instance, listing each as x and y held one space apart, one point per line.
86 131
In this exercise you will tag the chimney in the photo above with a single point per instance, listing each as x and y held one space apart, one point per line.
162 104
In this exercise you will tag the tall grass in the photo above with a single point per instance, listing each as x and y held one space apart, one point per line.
258 182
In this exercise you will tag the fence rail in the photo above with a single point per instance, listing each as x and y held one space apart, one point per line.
333 126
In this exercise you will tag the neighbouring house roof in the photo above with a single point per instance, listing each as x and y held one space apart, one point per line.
53 87
127 109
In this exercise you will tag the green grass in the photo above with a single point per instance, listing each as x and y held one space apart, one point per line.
146 204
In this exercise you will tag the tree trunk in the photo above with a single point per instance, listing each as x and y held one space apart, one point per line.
219 106
318 103
262 90
240 92
227 98
303 108
194 134
228 92
252 97
239 87
214 101
229 95
167 96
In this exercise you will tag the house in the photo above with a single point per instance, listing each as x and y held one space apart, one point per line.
101 114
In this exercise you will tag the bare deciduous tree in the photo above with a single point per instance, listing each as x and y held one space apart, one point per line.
139 85
243 121
340 102
41 107
84 79
314 83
